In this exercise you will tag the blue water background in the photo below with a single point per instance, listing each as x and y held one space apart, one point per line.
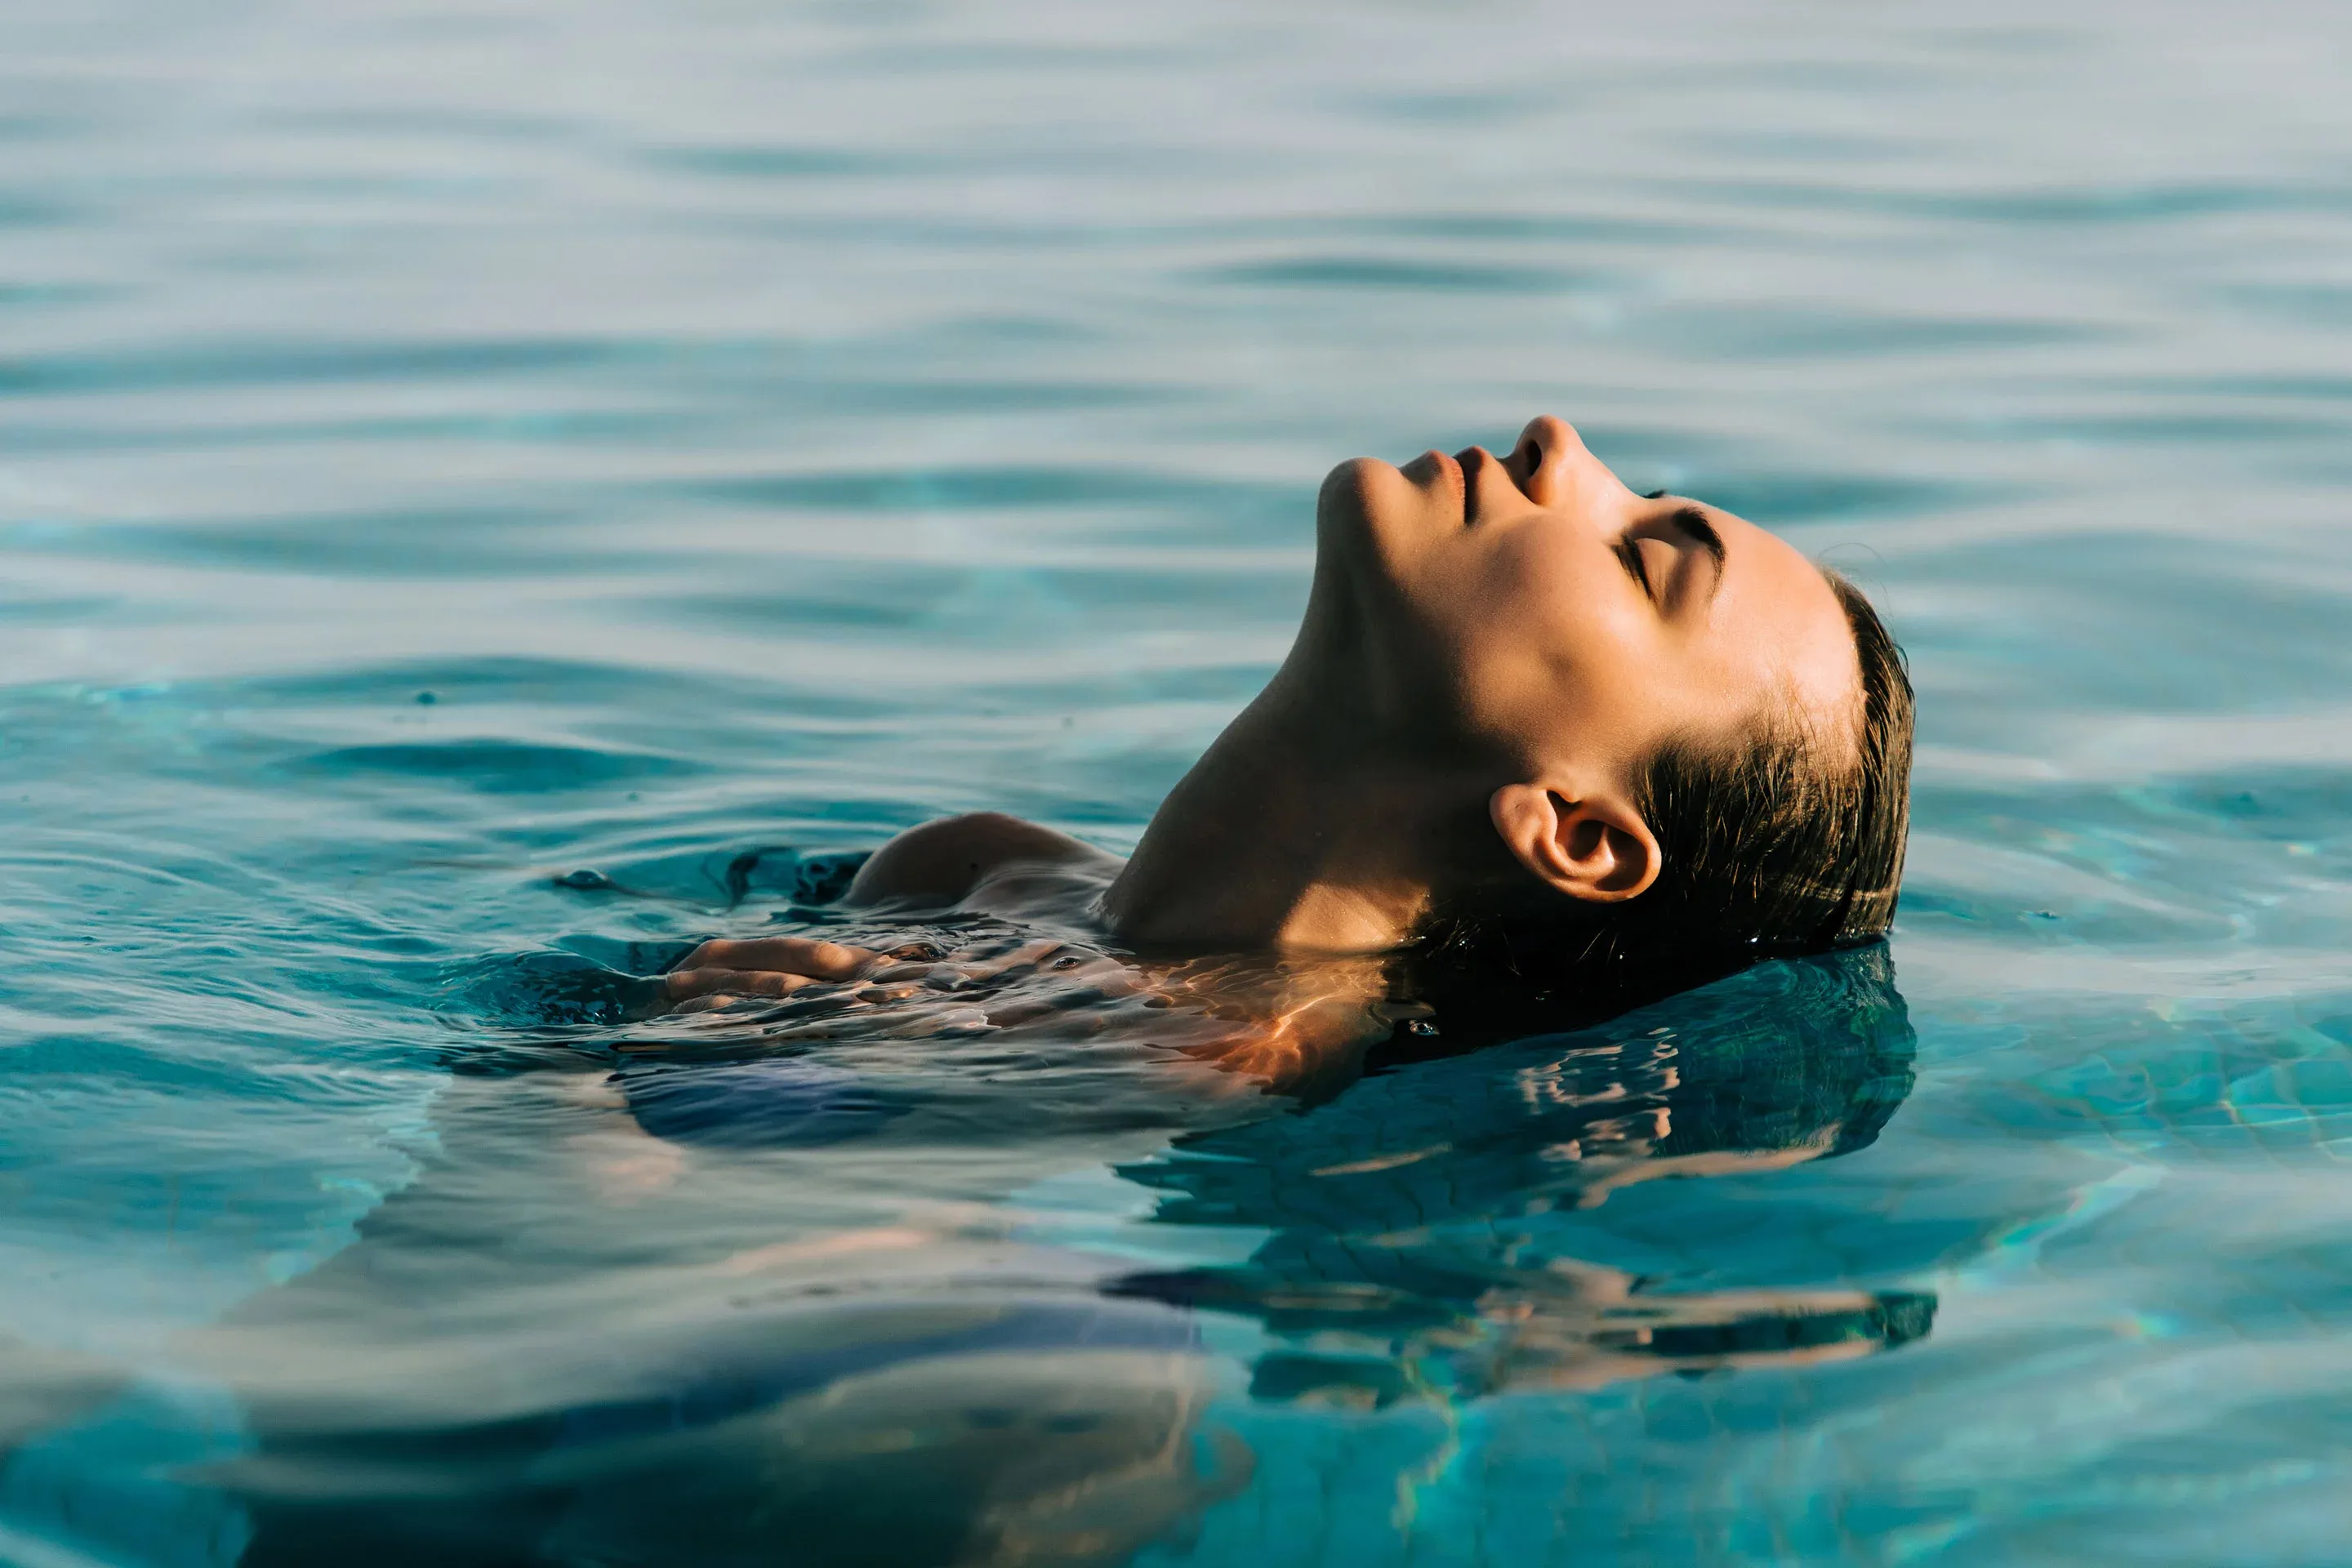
445 447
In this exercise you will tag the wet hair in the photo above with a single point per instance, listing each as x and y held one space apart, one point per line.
1786 841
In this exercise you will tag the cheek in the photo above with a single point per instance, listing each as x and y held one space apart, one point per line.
1558 646
1544 599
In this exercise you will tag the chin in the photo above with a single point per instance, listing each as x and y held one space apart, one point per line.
1344 509
1351 490
1371 515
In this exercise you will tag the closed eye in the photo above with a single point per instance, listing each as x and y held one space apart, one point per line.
1693 524
1629 551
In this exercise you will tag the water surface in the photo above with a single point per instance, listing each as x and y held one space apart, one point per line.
492 493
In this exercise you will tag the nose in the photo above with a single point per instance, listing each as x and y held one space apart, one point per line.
1552 464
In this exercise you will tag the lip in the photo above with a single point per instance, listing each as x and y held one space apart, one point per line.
1469 463
1439 466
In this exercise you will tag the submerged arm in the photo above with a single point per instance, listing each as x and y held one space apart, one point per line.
983 861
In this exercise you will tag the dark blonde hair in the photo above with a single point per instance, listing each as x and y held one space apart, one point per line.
1784 842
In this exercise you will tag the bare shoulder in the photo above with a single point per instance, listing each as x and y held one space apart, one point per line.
945 862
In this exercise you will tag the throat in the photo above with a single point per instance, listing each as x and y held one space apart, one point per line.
1283 836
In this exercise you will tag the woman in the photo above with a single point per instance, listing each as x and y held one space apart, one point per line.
1615 744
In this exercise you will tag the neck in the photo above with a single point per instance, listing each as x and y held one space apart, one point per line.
1295 831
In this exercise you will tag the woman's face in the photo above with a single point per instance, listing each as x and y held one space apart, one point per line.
1534 608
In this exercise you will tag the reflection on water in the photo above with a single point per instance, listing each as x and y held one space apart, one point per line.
1424 1225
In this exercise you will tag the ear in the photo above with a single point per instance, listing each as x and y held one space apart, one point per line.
1597 848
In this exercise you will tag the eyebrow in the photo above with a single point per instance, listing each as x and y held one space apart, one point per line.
1692 521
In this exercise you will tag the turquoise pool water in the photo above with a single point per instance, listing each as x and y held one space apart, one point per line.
494 491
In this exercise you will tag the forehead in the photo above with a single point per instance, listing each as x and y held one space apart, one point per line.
1777 620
